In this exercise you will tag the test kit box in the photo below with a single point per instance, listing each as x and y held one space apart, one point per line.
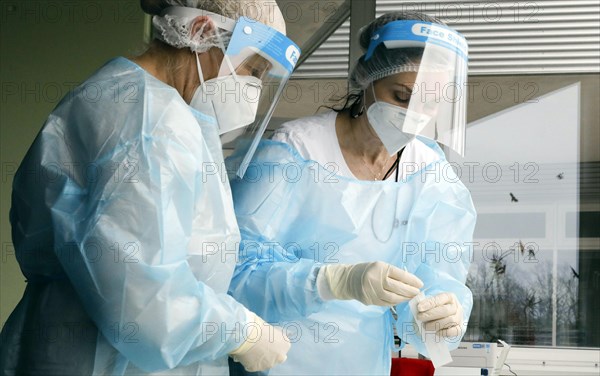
474 354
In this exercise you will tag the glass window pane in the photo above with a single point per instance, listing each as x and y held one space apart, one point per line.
535 182
511 225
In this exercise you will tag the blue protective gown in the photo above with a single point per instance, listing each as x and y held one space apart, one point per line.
126 236
295 216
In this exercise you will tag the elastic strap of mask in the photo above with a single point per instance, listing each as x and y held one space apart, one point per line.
202 82
220 21
200 74
373 90
226 58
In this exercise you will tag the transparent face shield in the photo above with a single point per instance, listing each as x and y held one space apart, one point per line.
255 69
256 66
437 105
257 53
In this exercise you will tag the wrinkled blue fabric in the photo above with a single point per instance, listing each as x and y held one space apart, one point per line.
122 228
295 216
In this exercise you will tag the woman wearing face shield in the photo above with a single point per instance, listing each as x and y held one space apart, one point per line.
122 227
348 213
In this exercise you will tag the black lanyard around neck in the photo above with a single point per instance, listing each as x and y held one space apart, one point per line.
395 166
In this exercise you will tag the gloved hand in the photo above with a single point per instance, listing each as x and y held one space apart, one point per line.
371 283
442 313
265 346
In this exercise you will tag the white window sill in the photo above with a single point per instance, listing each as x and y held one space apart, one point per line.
544 361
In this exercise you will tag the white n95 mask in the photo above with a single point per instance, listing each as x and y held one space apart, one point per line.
388 122
232 100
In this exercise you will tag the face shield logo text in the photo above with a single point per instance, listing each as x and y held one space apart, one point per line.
292 54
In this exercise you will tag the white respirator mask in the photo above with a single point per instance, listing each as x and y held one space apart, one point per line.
232 100
387 120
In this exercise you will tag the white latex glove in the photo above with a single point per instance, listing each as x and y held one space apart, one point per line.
442 314
371 283
265 346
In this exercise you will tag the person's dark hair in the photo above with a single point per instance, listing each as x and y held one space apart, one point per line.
345 102
353 100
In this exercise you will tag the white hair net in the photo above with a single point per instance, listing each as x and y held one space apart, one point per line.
386 62
176 31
